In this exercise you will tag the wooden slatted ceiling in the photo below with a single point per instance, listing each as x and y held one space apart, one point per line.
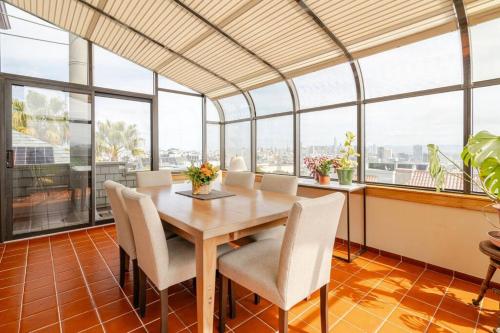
278 32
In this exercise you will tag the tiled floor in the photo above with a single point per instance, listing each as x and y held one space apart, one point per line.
69 283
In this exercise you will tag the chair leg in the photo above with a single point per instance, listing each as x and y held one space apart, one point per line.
485 285
222 303
142 293
123 259
232 302
283 321
324 308
127 262
164 310
256 299
135 268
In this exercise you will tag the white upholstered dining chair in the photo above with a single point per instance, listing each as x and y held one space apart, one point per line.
164 262
154 178
124 235
285 272
242 179
280 184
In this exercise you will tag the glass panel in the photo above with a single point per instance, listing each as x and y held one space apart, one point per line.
114 72
274 98
275 145
166 83
485 50
238 142
51 178
322 133
431 63
325 87
212 113
397 134
235 107
180 130
59 55
123 144
486 116
213 144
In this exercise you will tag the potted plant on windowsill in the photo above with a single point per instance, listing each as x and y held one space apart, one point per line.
320 168
345 164
202 177
482 154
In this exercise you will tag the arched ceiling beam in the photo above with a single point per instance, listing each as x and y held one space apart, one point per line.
463 26
154 41
358 80
234 41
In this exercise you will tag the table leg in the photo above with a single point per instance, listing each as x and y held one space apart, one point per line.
206 264
485 285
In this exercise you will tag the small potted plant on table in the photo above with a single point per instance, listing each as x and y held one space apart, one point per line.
345 164
201 177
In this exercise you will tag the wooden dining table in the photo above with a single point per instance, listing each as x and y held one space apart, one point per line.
209 223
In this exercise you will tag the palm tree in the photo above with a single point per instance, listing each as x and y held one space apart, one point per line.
116 139
19 117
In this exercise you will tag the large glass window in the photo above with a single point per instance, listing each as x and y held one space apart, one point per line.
238 142
114 72
166 83
235 107
213 144
212 113
33 47
123 133
322 133
325 87
180 130
274 98
486 50
275 145
486 112
398 131
431 63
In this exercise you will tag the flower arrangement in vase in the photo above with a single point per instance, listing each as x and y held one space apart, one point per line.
345 162
320 168
201 177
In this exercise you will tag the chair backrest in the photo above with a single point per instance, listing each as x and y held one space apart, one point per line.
306 252
150 241
124 233
240 178
279 183
154 178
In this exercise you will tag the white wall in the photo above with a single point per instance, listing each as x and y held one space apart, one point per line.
442 236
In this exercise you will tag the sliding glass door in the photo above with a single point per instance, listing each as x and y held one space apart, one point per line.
49 158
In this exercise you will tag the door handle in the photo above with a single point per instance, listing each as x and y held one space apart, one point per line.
11 158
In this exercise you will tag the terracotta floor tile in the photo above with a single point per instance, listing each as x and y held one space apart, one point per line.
94 329
468 311
36 294
46 281
253 325
71 309
9 327
423 309
11 291
115 309
180 300
108 296
312 316
54 328
409 321
11 302
39 320
11 281
10 315
174 325
70 284
80 322
124 323
39 305
345 327
248 303
72 295
363 319
453 322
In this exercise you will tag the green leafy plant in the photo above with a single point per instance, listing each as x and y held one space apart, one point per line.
482 154
345 160
325 167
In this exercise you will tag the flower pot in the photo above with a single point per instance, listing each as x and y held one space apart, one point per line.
316 177
201 188
324 180
345 176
